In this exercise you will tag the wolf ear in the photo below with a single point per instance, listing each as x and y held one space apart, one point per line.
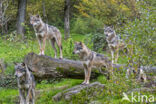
30 15
23 64
81 44
15 63
75 42
104 26
112 27
38 16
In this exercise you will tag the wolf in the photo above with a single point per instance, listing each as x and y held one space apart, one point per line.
114 43
89 59
43 32
26 84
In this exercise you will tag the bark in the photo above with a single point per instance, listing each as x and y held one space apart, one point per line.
47 67
21 16
92 90
44 11
3 18
66 19
2 67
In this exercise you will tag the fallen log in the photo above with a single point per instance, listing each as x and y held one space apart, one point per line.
92 90
47 67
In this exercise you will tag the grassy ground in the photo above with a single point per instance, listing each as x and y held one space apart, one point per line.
15 52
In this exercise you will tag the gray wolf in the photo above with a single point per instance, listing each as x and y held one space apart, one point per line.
43 32
114 43
26 84
89 59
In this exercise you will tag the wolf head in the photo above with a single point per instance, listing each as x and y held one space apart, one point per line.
35 20
108 31
79 47
20 70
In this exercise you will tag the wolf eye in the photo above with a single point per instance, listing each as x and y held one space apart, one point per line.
79 48
110 30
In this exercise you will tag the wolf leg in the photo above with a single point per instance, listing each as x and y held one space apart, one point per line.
59 44
44 43
112 54
116 55
28 95
40 45
33 96
21 95
88 75
85 72
53 46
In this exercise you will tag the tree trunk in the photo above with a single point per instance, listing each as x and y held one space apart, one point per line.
47 67
21 16
3 19
44 11
66 19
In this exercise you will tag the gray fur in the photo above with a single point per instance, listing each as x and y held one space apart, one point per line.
90 59
26 84
43 32
114 43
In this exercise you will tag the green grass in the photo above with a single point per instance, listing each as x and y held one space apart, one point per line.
15 52
8 96
12 51
112 94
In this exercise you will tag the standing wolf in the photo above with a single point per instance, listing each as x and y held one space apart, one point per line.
90 59
43 32
114 43
26 84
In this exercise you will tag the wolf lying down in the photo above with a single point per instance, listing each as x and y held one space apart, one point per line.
90 59
26 84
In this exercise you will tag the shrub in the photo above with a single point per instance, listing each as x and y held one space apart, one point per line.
141 35
86 25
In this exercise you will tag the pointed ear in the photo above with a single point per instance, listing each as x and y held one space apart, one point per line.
104 26
112 27
81 44
30 15
23 64
15 63
38 16
75 42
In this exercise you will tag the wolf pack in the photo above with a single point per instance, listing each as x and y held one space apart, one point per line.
89 58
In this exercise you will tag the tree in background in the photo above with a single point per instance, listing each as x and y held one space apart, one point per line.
3 18
66 19
21 16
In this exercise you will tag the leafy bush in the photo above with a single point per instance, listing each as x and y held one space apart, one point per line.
99 42
141 35
86 25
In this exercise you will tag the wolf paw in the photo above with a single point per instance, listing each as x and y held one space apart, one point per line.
85 83
41 53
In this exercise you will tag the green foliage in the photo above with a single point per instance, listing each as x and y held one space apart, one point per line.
68 48
109 12
86 25
87 16
99 42
8 96
141 35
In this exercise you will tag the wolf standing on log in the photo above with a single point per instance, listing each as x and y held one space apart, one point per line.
43 32
90 59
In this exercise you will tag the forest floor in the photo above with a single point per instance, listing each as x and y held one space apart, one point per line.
14 50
